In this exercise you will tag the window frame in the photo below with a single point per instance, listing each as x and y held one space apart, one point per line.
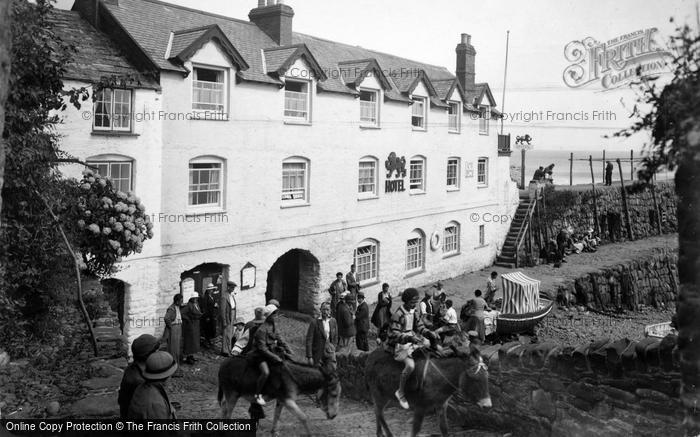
417 234
377 99
292 119
108 160
222 183
110 115
424 162
225 89
482 236
424 117
485 182
292 202
484 119
457 177
458 128
362 195
374 261
456 236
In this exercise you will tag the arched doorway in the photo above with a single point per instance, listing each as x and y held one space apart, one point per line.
294 281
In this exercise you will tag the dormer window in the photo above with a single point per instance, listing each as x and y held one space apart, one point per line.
484 117
454 119
418 116
208 89
297 101
369 108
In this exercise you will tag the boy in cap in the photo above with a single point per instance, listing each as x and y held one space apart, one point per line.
267 348
404 337
150 400
141 348
337 288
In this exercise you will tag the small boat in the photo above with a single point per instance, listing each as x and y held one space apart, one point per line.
517 323
523 307
659 330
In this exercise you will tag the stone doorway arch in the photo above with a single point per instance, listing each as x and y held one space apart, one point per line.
294 281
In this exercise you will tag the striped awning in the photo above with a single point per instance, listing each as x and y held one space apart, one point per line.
521 294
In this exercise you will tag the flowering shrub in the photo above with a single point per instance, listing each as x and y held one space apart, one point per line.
107 224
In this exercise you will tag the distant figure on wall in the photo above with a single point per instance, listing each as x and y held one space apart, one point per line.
353 285
548 173
608 173
381 317
539 174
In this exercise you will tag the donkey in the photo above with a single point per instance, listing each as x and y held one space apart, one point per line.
238 379
433 383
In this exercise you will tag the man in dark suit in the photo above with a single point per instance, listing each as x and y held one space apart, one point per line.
361 323
321 339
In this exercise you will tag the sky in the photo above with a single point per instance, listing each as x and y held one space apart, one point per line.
428 31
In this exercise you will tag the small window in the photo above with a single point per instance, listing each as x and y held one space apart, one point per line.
454 117
112 110
415 251
369 108
416 181
484 117
482 172
297 100
367 178
482 236
206 187
120 172
418 114
450 239
208 89
295 173
453 173
366 261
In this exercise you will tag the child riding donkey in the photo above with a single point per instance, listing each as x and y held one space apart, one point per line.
405 336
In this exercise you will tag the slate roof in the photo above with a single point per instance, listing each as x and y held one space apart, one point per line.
97 56
150 22
184 39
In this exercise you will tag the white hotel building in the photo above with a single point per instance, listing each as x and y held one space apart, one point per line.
274 157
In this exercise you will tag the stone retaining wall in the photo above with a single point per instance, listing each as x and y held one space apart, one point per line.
651 281
607 388
575 207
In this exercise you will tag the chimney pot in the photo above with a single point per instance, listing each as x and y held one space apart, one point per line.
261 3
275 19
466 38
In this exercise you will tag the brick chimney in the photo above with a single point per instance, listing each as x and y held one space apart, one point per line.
465 62
275 19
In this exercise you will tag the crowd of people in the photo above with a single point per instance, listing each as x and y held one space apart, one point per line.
414 323
568 242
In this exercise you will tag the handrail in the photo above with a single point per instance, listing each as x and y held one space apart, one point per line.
526 222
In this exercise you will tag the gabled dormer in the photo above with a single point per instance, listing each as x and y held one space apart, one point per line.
210 62
370 84
422 93
450 92
298 72
481 101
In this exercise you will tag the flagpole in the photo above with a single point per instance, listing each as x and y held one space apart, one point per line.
505 76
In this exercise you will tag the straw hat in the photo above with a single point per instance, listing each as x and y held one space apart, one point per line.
274 302
159 365
269 309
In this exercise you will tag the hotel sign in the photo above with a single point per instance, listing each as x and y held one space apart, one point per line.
397 165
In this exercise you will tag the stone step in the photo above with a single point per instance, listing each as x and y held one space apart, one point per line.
505 264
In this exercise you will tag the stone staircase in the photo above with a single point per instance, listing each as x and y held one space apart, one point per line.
508 256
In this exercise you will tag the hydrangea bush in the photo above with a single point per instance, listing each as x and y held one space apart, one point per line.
107 224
